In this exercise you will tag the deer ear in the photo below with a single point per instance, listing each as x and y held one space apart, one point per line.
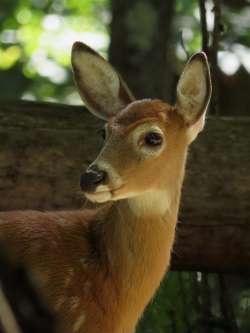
194 91
99 85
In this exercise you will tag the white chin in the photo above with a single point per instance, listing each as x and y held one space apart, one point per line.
99 197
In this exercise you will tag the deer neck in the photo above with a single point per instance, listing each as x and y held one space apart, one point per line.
138 233
135 238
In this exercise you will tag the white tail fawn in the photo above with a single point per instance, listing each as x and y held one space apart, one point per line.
98 269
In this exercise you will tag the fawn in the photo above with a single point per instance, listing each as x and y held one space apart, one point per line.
97 269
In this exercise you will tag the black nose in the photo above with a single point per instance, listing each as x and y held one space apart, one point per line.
91 178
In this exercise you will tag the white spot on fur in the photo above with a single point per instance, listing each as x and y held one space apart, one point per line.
74 302
69 277
67 281
59 303
61 221
83 262
79 322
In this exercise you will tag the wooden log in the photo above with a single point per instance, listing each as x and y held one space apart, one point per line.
44 148
216 246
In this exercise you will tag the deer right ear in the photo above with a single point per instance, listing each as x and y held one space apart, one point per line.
99 85
194 89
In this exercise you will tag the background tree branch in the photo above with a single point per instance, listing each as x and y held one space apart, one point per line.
204 30
213 55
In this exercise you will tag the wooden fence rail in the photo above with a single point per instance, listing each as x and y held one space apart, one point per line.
44 147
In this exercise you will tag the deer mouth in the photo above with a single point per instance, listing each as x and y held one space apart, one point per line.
99 196
102 195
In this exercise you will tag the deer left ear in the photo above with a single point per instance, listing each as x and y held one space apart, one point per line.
194 92
100 86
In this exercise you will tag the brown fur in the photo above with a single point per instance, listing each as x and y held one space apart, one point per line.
105 264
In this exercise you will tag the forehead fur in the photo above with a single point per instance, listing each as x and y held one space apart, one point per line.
139 110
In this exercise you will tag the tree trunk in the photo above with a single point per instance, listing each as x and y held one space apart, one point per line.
140 45
44 148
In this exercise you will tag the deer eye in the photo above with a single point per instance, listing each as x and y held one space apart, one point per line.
153 139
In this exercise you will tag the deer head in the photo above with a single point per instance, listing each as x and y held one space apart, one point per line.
144 140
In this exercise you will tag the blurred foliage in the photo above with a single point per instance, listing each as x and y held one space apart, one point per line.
167 312
36 38
35 41
180 305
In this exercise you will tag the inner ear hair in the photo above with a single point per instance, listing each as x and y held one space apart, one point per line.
194 89
99 85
